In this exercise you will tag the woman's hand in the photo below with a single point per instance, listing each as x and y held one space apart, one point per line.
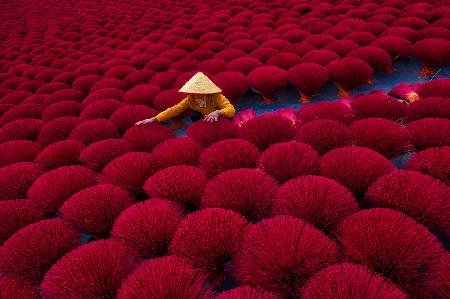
146 121
213 116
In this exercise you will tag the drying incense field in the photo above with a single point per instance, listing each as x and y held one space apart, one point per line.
331 181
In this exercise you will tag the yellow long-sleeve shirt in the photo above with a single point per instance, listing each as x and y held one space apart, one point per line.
213 102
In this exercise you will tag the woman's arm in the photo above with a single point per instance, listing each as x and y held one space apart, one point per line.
225 106
226 109
167 114
173 111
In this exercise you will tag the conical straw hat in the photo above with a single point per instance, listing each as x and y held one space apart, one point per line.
200 84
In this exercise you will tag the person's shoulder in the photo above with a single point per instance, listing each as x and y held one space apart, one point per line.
218 96
187 99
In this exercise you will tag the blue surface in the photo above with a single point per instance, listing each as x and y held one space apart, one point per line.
404 71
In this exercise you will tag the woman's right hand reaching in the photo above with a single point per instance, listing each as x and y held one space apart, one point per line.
146 121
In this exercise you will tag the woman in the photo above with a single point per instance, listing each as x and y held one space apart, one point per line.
203 96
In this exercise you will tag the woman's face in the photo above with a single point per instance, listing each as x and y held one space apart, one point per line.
199 96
